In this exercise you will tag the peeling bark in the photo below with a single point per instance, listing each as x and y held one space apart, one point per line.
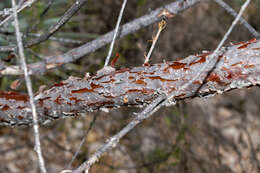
238 67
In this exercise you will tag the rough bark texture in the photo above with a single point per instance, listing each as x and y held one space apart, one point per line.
238 67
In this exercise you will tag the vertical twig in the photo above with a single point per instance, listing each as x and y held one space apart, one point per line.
157 103
29 89
161 26
115 33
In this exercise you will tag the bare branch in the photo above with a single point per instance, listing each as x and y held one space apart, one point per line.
82 141
18 9
161 100
115 33
242 21
32 107
213 58
59 39
54 28
113 141
63 20
238 67
74 54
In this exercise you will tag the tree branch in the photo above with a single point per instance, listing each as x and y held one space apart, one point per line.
19 8
242 20
76 53
238 67
212 60
115 33
58 39
54 28
63 20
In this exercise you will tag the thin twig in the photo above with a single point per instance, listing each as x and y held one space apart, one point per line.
242 20
115 33
48 6
29 89
26 4
82 141
157 103
59 39
62 21
113 141
214 56
161 26
53 29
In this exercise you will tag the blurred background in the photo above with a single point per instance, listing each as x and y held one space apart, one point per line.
215 134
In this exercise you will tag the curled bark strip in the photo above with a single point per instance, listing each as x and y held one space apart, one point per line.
238 67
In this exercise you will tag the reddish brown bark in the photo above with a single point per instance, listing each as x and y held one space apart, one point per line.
238 67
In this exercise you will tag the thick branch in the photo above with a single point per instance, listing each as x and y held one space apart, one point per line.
238 67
